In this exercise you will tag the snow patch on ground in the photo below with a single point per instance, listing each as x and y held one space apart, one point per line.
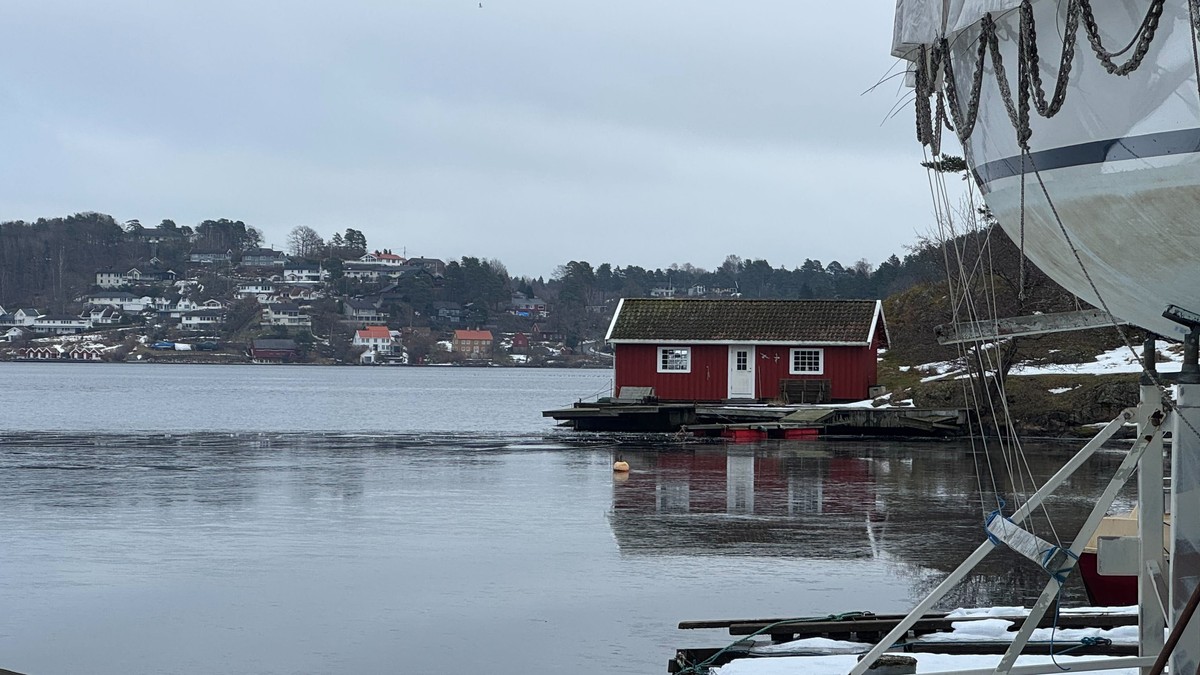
926 663
1119 360
1062 390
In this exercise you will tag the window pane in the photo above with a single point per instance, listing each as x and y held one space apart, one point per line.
676 359
806 360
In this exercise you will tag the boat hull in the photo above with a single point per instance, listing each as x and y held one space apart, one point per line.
1120 164
1106 590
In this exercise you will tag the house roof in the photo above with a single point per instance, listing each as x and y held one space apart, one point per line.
473 335
374 332
819 322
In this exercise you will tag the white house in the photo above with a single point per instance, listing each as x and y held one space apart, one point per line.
375 338
110 279
60 324
202 319
383 259
101 315
261 291
285 314
304 274
122 300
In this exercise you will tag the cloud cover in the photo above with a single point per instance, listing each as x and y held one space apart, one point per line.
526 130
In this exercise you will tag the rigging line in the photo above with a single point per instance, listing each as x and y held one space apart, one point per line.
970 308
1021 457
1014 452
1014 448
1021 276
995 354
1194 17
979 352
937 184
971 204
983 354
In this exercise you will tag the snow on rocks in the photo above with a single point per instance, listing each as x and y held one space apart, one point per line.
926 663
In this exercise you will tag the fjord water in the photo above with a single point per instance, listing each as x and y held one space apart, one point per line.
191 519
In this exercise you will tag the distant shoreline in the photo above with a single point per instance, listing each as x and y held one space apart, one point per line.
301 363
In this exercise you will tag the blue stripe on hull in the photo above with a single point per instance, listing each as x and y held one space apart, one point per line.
1178 142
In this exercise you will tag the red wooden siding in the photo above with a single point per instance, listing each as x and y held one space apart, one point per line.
637 366
851 371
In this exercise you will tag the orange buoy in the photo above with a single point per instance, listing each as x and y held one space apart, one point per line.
621 466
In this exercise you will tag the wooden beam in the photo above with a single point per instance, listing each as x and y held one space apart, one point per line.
1036 324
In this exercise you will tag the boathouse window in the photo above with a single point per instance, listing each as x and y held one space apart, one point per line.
808 361
674 359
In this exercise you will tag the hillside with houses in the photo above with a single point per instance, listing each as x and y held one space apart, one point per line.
212 294
88 288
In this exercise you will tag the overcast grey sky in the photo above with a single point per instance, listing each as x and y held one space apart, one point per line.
533 131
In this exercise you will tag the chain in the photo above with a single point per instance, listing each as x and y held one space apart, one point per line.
965 124
923 88
936 61
1029 35
1141 39
1019 122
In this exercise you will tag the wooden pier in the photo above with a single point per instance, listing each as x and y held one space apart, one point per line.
747 421
866 627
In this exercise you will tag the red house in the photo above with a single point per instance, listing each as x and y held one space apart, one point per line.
715 350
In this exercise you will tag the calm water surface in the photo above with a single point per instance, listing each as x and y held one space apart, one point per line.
178 519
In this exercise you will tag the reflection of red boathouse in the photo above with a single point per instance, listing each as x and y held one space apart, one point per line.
745 484
798 506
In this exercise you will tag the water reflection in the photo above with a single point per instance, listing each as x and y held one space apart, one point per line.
349 552
918 508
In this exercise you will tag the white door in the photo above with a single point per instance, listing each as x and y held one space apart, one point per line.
741 371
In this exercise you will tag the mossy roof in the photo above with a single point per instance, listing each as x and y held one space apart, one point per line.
849 322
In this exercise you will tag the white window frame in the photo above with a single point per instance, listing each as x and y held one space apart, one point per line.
687 359
795 351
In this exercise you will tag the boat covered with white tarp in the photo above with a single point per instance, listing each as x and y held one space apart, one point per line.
1093 123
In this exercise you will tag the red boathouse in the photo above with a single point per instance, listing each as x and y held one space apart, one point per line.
717 350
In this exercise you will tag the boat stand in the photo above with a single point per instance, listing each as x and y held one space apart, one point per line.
1157 599
1185 512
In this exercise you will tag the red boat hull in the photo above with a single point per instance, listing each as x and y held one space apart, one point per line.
1106 591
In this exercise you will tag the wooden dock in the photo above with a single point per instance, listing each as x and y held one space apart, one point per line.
867 627
747 421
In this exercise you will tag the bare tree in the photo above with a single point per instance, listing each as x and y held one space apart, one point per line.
304 242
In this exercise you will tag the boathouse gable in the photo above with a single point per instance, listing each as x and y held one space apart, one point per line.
715 350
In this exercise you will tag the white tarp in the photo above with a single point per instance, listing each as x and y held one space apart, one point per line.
918 22
921 22
964 13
